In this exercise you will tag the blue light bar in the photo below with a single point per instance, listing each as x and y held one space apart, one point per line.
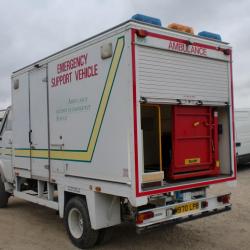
210 35
147 19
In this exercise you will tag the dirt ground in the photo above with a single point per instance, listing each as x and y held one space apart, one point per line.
28 226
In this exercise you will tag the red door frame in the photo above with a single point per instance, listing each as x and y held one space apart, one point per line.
135 104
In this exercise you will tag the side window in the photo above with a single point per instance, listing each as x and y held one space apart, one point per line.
3 125
9 122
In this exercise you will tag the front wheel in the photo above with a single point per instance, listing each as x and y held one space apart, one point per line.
4 196
78 224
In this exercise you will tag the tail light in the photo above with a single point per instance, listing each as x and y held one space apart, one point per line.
144 216
141 33
224 198
204 204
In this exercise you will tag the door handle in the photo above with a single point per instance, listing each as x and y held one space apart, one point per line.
57 144
30 132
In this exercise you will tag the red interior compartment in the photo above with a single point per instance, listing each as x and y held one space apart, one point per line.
194 142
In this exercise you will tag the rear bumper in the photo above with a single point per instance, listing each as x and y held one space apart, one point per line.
181 220
166 217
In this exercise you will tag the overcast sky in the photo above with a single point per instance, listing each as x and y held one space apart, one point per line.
31 30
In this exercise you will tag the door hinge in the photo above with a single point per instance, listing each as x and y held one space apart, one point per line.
46 166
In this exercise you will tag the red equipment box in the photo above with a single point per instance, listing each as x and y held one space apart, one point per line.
194 142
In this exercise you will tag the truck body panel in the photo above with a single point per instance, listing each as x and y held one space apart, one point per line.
76 114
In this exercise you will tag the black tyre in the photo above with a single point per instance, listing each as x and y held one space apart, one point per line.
4 196
78 224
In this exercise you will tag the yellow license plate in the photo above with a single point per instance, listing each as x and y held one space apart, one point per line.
187 207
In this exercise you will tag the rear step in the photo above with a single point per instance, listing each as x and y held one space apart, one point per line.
35 199
41 197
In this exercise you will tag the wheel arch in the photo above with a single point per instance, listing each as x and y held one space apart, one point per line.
104 210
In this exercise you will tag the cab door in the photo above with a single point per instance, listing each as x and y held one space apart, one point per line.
6 149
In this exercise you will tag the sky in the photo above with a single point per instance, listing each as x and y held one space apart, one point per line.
31 30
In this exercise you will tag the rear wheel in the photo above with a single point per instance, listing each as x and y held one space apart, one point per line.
78 224
4 196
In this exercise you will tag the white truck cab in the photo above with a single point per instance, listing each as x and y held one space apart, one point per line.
131 125
6 158
6 138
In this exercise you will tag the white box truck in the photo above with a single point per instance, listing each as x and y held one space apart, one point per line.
133 124
242 128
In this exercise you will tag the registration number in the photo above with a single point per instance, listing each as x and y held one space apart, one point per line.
186 207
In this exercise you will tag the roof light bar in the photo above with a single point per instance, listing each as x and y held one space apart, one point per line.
147 19
181 27
210 35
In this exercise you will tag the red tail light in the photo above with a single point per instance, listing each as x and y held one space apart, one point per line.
204 204
144 216
224 198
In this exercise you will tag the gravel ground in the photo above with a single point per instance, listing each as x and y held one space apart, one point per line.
29 226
